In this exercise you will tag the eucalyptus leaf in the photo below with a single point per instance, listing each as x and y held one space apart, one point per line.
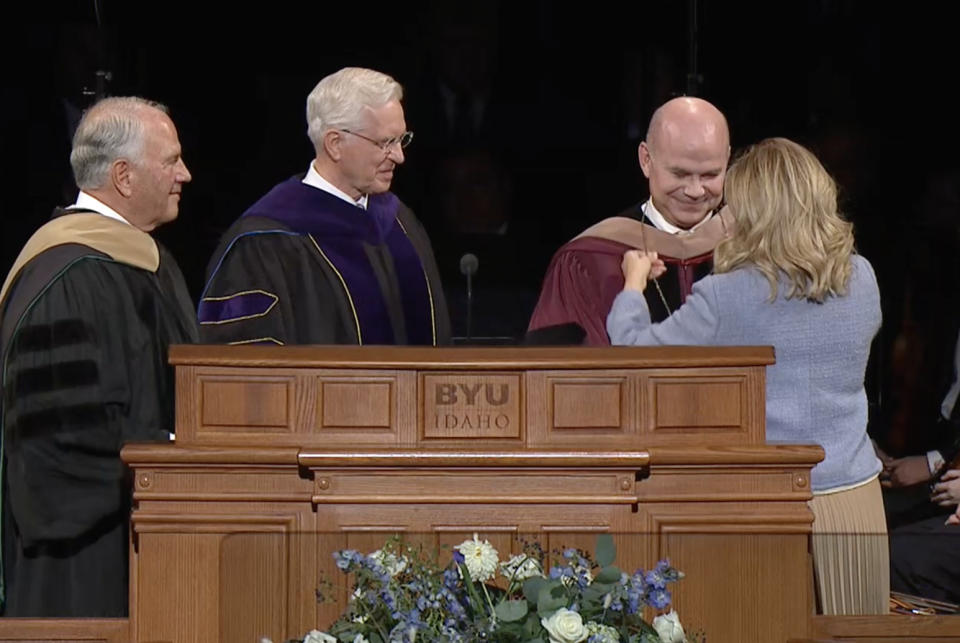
532 587
510 611
606 551
551 598
609 574
532 627
593 595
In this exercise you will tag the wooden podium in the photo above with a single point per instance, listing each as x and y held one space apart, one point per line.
285 454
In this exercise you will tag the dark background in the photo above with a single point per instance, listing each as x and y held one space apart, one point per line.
566 92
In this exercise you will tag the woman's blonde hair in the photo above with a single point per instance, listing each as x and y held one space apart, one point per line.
785 206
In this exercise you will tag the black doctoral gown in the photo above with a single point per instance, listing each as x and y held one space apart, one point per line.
85 338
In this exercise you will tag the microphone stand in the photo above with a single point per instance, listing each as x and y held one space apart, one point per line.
469 306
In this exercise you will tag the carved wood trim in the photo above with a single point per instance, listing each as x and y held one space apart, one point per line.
233 403
341 407
470 358
486 459
212 523
187 496
173 455
887 627
474 500
805 455
767 523
67 630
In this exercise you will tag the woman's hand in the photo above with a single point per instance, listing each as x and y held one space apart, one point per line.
638 266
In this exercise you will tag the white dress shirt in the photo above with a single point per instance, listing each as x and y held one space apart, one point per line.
88 202
313 179
660 223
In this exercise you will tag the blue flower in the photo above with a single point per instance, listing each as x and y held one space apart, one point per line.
659 599
345 557
431 602
655 579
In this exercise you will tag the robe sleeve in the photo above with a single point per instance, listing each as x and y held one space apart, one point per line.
75 374
268 289
579 287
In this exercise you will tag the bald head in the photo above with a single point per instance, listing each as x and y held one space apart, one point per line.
688 121
685 158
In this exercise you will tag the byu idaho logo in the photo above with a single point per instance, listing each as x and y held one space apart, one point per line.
467 406
450 394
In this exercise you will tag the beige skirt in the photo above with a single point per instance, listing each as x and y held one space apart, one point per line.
851 554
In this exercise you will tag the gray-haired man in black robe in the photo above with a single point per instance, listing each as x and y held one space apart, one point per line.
88 311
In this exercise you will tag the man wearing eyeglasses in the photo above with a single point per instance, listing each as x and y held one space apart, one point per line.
684 158
332 257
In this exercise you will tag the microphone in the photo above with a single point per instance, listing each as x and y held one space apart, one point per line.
468 267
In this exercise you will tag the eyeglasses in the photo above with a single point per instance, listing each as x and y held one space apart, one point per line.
403 140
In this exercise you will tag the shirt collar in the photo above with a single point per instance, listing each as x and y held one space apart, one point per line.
89 202
659 222
314 179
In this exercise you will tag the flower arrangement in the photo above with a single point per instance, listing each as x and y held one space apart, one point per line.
402 594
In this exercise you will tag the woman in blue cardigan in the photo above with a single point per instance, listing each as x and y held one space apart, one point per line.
789 277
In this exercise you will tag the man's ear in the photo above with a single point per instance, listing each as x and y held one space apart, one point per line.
643 154
121 177
332 144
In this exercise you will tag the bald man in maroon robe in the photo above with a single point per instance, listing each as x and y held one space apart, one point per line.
684 158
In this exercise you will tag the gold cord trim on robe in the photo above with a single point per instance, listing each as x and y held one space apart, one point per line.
433 318
244 317
356 319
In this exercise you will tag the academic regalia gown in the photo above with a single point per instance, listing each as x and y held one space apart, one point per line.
584 276
302 266
89 311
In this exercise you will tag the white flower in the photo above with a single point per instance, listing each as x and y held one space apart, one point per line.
316 636
604 633
360 638
357 595
668 628
565 626
521 567
479 557
393 564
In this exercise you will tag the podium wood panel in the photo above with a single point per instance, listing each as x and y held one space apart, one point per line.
77 630
247 545
404 396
